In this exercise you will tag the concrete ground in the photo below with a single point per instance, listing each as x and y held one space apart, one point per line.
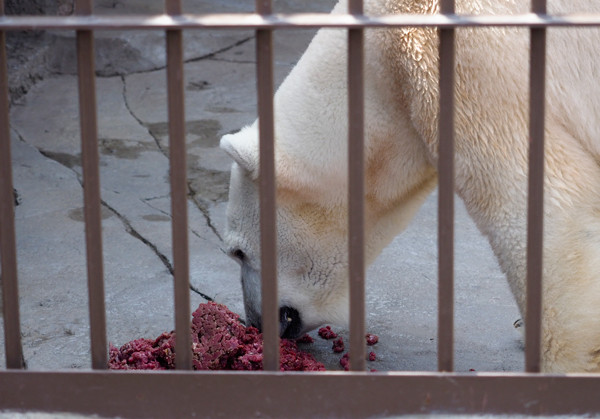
220 98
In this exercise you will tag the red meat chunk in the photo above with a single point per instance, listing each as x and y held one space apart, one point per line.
305 339
327 333
219 341
345 361
371 339
338 345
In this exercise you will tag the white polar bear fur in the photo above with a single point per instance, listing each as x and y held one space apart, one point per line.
401 107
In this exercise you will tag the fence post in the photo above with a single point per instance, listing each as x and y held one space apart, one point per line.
268 212
91 188
8 253
446 196
178 178
356 191
535 196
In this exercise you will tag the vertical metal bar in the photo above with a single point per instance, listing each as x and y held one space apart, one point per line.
8 246
91 189
178 171
535 214
268 213
356 192
173 7
446 197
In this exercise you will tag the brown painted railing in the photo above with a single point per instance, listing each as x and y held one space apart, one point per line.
272 393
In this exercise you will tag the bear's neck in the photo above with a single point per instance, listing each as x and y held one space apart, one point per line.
311 113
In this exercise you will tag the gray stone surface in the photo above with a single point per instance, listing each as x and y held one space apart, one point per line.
220 98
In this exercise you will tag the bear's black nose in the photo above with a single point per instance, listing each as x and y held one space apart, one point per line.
290 323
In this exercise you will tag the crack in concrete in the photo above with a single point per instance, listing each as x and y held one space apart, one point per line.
152 198
201 294
134 233
209 55
128 226
191 192
145 201
163 258
219 51
194 232
138 120
205 212
225 60
233 61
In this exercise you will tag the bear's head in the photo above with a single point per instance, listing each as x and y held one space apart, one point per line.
311 245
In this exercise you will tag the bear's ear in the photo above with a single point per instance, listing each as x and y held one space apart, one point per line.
243 148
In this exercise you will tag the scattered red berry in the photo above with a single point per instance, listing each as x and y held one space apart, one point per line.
372 356
327 333
371 339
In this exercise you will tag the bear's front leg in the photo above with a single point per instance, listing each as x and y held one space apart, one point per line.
571 294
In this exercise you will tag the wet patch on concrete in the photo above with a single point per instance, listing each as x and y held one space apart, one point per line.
207 131
209 185
123 149
221 109
158 129
67 160
156 217
77 214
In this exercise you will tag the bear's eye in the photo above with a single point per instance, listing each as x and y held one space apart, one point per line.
237 254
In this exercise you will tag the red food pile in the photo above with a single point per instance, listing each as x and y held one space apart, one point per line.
305 339
219 342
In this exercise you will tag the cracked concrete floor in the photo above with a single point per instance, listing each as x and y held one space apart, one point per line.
220 98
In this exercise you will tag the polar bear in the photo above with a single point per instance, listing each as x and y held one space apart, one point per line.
401 108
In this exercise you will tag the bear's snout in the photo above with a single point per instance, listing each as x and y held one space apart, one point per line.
290 323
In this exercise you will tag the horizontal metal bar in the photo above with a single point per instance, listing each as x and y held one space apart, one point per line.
210 394
290 21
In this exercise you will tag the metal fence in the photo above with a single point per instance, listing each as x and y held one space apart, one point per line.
272 393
